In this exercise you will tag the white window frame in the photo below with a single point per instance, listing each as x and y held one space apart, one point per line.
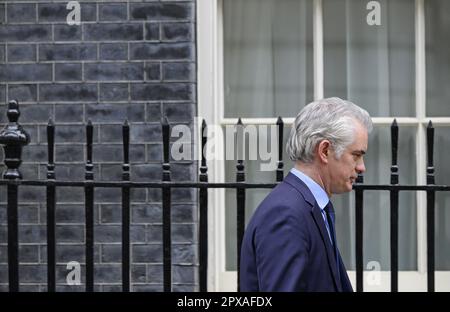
211 107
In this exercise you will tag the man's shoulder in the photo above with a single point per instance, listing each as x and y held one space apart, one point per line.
285 198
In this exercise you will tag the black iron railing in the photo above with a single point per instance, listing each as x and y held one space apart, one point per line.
14 138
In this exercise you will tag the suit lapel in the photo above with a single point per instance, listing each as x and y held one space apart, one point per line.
317 215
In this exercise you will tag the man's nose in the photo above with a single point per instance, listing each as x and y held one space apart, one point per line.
360 167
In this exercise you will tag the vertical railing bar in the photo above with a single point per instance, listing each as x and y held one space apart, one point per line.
89 216
51 210
359 230
166 194
280 165
13 137
240 194
394 208
430 210
203 223
126 209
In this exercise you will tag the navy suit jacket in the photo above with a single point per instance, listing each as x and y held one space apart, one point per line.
286 246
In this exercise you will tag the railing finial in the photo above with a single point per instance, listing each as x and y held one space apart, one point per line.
13 137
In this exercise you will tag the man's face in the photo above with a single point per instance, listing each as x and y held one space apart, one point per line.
344 171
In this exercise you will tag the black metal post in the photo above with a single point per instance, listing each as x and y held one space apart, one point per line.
240 195
394 208
166 194
203 226
279 174
430 209
126 209
359 200
13 138
89 202
51 206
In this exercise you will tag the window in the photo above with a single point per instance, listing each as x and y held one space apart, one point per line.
268 58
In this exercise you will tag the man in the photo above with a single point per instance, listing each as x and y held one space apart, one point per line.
290 244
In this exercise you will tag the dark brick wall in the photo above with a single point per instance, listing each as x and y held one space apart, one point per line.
130 60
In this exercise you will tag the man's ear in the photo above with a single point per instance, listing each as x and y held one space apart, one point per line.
323 150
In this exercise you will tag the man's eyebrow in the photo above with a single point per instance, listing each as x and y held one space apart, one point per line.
361 152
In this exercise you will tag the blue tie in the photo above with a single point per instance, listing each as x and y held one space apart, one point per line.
329 209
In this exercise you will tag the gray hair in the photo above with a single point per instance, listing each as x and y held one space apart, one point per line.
330 119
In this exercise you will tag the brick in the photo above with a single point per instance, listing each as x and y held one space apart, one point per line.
147 253
34 153
184 274
113 233
153 112
113 12
184 253
28 213
2 99
68 253
111 253
21 12
152 71
26 72
21 52
147 288
185 288
161 11
68 133
154 233
177 32
21 33
113 31
57 12
183 195
184 213
111 172
68 71
111 133
114 71
69 113
70 194
70 213
178 71
35 113
165 92
108 153
151 31
146 213
184 233
2 53
138 273
161 51
146 172
179 112
31 194
33 273
146 133
110 213
23 93
154 195
32 233
3 255
113 92
70 233
114 195
68 52
155 273
67 32
154 153
29 172
69 153
107 273
28 253
74 172
115 113
113 51
184 172
2 13
67 92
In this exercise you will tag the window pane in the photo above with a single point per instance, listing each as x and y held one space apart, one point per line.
437 25
268 60
372 66
442 215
